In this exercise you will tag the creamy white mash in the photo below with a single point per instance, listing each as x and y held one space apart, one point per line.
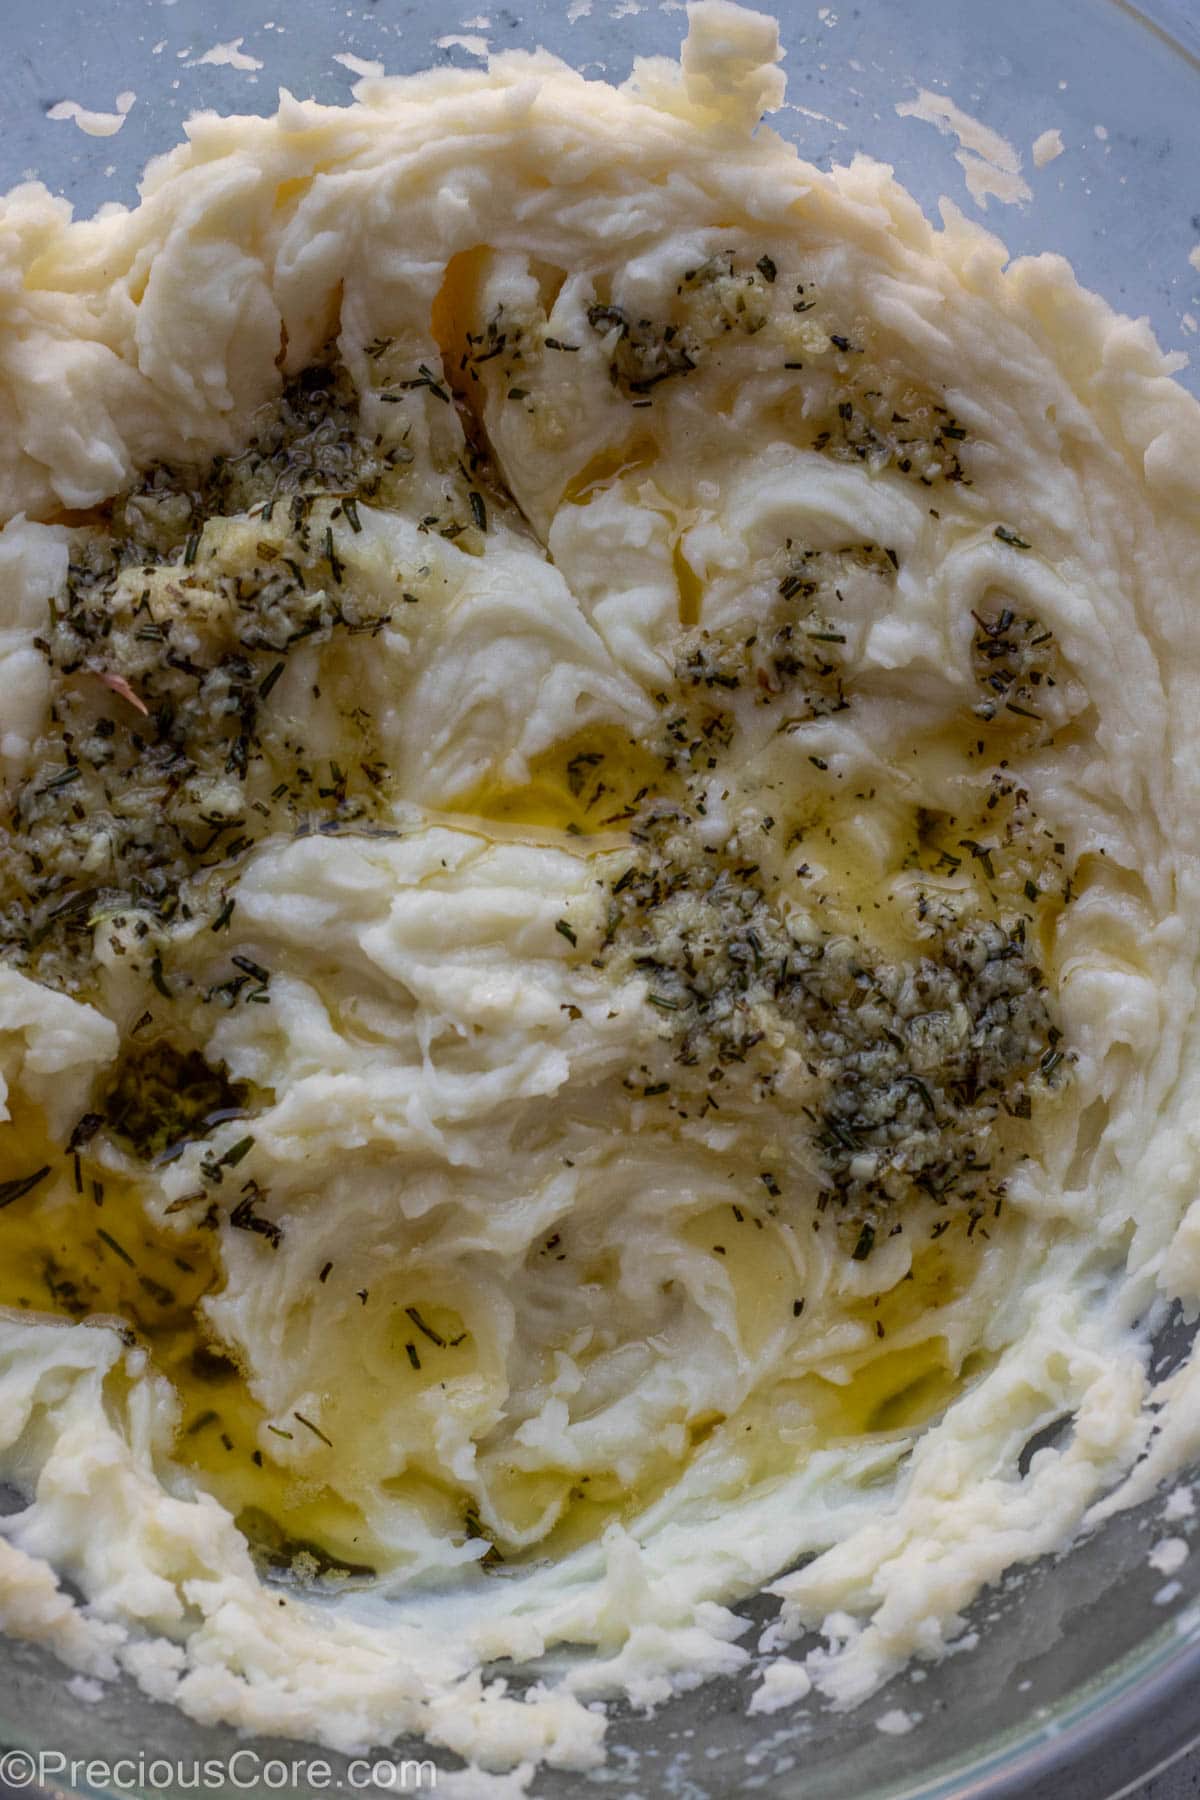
601 880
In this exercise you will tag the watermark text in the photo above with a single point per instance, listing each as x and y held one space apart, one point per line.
245 1771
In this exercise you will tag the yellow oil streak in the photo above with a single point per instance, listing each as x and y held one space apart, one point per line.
691 588
84 1248
896 1391
590 784
455 308
607 468
290 190
906 1376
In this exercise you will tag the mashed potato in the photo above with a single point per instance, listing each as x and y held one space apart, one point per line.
599 907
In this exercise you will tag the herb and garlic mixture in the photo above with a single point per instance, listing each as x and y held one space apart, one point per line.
597 907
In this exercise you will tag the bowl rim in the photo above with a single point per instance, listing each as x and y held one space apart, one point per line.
1133 1720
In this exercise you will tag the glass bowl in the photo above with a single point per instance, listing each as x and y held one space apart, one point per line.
1085 1676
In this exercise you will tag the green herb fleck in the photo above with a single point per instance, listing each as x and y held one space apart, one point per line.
22 1185
106 1237
865 1244
309 1426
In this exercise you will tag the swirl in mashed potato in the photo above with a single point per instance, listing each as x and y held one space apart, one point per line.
598 909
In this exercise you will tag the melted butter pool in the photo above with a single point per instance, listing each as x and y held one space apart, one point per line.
82 1246
589 785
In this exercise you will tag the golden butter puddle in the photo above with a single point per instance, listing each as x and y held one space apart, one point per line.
588 785
886 1392
80 1245
610 469
858 858
290 1482
905 1376
873 861
607 468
